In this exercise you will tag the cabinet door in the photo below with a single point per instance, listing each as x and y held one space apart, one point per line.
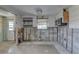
76 41
66 15
69 44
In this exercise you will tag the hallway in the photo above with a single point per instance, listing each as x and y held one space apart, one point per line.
34 48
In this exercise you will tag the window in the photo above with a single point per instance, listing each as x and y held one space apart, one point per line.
42 24
11 25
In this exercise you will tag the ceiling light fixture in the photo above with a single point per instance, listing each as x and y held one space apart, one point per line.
40 14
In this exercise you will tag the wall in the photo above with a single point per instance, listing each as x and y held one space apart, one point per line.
5 28
1 29
68 36
74 17
50 20
18 21
64 34
74 24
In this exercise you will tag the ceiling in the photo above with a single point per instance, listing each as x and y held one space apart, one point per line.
30 10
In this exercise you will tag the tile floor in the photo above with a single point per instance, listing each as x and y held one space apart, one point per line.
5 45
33 48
